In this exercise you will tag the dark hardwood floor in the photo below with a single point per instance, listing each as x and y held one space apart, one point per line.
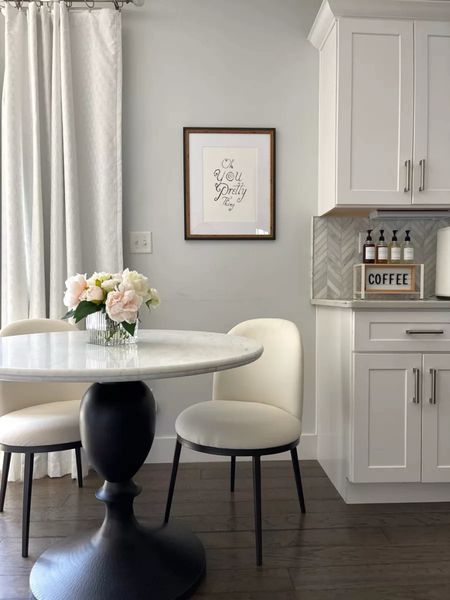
334 552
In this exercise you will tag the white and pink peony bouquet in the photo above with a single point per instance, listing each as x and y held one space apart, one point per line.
119 295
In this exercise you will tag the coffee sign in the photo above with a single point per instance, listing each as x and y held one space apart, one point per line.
384 279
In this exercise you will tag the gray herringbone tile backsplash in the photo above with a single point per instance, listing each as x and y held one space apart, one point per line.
335 250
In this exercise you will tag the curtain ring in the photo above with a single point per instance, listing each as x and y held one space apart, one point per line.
68 3
117 5
18 4
90 4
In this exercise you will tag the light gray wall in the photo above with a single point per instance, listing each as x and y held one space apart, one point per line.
2 65
220 63
2 46
2 62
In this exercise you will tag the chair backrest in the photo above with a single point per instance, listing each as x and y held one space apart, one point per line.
18 395
277 377
36 326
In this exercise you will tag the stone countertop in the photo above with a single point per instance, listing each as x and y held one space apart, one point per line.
429 303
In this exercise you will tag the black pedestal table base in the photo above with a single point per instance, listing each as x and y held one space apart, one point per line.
122 560
137 565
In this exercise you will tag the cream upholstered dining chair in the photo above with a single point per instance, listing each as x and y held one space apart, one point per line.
37 418
256 410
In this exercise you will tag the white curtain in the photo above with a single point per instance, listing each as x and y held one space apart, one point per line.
61 163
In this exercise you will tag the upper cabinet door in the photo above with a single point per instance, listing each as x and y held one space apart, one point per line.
432 113
375 112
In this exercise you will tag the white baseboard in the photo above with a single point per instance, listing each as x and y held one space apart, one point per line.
382 493
163 447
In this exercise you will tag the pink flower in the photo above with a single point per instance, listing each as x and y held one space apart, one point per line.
75 287
123 306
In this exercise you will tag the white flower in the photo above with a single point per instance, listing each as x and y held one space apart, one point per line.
111 284
123 305
154 299
98 278
94 294
132 280
75 287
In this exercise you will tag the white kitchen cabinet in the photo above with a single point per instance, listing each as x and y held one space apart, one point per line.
384 115
432 113
436 418
375 115
383 400
387 418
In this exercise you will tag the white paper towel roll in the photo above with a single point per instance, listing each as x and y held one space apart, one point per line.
443 263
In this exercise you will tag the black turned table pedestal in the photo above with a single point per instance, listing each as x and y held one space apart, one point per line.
122 560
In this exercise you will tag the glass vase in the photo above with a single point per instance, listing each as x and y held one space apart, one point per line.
103 331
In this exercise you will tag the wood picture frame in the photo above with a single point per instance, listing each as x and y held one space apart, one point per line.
229 183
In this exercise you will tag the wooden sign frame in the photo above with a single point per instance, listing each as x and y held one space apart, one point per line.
360 274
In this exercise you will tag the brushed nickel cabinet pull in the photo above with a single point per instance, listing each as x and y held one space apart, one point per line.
416 397
424 331
407 187
422 175
433 374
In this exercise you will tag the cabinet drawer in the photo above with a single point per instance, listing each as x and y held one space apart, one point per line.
404 331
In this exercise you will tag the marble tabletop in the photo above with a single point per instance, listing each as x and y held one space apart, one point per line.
158 354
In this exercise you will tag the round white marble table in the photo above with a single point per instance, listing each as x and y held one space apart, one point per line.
122 560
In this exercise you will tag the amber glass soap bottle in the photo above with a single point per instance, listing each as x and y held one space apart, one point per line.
369 249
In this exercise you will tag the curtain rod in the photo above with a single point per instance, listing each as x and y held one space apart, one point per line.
87 3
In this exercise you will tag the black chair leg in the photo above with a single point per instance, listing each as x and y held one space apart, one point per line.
27 485
257 502
173 478
79 467
5 471
298 479
232 473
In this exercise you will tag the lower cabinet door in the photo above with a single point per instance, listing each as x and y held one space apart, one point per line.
386 424
436 418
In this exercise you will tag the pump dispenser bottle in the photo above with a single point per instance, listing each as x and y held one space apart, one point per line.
408 248
382 249
395 251
369 249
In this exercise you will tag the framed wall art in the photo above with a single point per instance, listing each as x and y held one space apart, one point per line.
229 183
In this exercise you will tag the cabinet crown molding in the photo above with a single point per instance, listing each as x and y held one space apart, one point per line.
330 10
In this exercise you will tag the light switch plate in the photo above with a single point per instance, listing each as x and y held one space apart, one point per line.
140 242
